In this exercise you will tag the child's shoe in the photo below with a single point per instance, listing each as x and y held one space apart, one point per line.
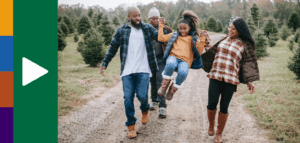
132 131
164 86
171 92
145 117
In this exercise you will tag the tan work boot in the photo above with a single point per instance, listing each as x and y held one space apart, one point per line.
164 86
222 119
145 117
171 92
211 118
132 131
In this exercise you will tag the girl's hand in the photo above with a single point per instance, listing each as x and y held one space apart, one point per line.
251 87
162 20
203 33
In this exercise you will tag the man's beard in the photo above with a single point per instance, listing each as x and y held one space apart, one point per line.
137 26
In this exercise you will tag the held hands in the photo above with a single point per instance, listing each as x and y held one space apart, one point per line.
203 33
251 87
162 20
102 70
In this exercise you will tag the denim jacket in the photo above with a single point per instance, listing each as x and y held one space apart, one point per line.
197 62
121 39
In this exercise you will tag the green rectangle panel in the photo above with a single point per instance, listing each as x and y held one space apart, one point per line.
35 38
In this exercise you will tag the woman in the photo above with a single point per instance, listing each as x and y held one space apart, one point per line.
229 62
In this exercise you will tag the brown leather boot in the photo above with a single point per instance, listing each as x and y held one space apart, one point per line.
145 117
171 92
132 131
222 119
211 118
164 86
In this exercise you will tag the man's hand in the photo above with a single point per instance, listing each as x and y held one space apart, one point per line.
102 70
162 20
251 87
207 46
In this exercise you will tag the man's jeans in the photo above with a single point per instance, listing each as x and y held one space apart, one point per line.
155 81
135 83
182 69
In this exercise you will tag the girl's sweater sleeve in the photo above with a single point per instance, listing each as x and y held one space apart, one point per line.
200 45
161 36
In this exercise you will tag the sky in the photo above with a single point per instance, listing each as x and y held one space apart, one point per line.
114 3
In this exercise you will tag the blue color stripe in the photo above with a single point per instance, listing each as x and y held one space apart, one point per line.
6 53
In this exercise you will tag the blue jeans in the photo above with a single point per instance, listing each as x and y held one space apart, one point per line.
135 83
182 68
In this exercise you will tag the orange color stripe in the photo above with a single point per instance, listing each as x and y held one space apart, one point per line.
6 89
6 14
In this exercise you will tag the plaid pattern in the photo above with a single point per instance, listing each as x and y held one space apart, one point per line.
121 39
227 61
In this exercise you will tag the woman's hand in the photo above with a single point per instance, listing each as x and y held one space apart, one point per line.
203 33
251 87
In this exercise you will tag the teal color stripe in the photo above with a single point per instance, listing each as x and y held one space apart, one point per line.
35 105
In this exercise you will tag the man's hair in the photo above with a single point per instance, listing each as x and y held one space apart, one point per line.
131 8
190 18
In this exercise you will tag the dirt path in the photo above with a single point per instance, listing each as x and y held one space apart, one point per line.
103 119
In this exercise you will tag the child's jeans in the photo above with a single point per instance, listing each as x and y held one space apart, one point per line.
182 69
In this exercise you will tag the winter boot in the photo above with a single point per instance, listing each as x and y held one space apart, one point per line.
222 119
164 86
171 92
211 118
145 117
132 131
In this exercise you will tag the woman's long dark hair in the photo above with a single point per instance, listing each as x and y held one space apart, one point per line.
244 33
190 18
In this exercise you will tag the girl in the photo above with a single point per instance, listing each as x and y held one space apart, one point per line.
182 52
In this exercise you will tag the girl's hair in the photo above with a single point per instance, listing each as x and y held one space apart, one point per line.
190 18
244 33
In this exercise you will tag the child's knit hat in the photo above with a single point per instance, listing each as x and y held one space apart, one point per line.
153 12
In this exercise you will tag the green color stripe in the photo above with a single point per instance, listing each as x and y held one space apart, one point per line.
35 38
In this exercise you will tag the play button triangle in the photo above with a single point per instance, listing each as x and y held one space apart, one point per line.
31 71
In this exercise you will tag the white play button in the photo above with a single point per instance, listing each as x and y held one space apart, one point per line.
31 71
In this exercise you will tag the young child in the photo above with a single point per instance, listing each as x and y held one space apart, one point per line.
182 52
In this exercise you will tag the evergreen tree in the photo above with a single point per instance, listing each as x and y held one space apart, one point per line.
90 13
84 24
251 24
145 20
297 36
116 21
64 28
61 40
76 38
291 44
255 14
219 26
284 32
201 25
271 27
97 19
106 30
225 30
177 19
169 23
205 25
92 48
261 44
272 40
59 19
212 24
294 63
294 21
69 24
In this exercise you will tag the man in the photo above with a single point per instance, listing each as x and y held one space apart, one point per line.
138 62
156 79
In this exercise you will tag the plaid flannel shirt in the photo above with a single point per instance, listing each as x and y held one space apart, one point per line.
227 61
121 39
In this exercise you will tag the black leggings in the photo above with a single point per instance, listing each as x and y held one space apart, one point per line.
215 89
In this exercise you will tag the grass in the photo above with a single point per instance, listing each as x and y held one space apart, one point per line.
76 78
276 103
